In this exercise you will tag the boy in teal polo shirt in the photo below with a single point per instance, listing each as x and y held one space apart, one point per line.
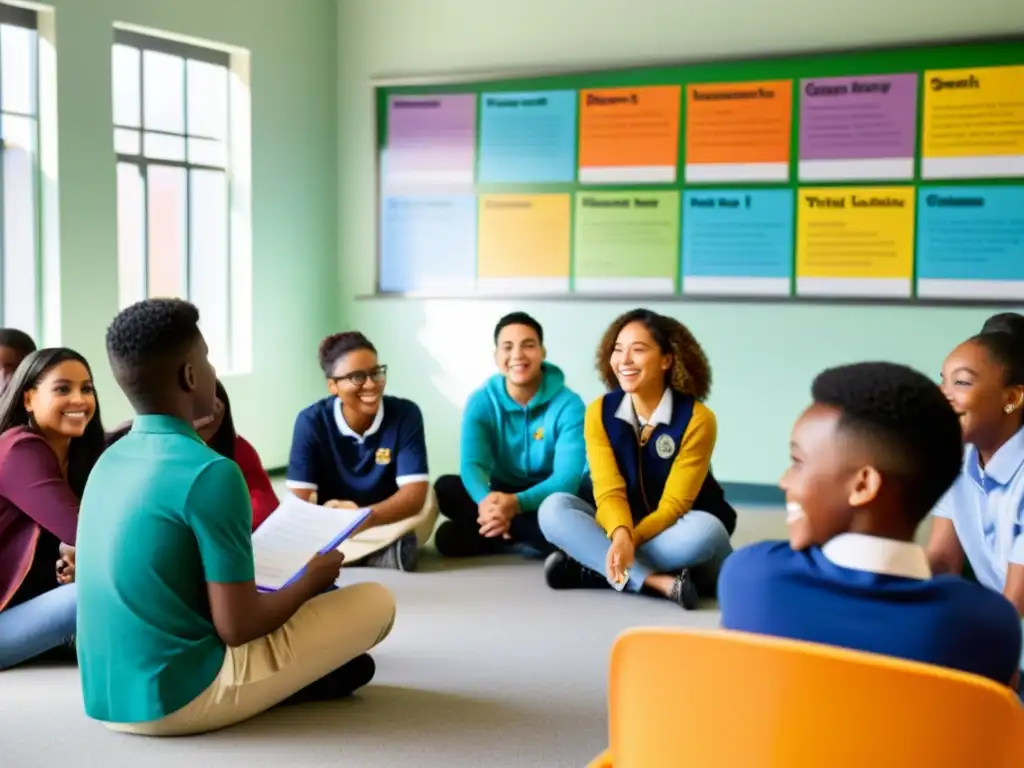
173 636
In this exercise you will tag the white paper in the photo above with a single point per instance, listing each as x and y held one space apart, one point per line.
296 531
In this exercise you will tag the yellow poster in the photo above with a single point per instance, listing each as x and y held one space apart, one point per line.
524 236
973 122
856 233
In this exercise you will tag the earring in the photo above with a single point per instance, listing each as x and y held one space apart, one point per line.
1008 409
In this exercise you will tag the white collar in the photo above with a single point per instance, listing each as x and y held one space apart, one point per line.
662 414
346 430
888 557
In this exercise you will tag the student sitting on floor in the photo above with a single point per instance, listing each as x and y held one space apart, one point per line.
982 515
522 440
15 346
661 522
218 432
173 636
51 438
870 458
362 448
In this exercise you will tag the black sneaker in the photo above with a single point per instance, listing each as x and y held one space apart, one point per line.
402 555
339 684
562 572
454 539
684 591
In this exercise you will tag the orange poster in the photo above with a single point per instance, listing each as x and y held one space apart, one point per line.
524 239
629 135
739 131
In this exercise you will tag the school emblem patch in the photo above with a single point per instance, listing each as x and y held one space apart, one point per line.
539 434
383 456
665 446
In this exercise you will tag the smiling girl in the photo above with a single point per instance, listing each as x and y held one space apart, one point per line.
981 516
659 513
50 438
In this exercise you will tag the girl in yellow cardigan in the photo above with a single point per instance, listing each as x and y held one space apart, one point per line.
657 520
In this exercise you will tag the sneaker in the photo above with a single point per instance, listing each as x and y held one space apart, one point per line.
454 539
684 591
339 684
562 572
402 555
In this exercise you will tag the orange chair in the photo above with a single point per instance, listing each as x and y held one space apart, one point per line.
720 699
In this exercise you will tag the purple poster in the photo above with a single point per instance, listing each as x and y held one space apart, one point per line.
431 142
858 128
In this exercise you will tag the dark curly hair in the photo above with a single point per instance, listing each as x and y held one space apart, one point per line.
83 451
690 373
904 420
147 342
337 345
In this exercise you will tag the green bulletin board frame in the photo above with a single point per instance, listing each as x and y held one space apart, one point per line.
985 52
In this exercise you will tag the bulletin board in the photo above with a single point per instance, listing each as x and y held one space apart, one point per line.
878 175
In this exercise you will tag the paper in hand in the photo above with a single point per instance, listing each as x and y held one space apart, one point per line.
294 532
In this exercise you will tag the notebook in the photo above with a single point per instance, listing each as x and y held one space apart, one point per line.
293 533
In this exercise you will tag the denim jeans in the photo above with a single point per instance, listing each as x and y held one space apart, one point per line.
32 628
697 540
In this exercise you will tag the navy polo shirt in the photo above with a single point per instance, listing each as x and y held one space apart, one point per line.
874 595
329 457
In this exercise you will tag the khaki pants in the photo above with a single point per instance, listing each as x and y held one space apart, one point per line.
375 539
324 634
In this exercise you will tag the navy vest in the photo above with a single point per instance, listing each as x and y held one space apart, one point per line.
646 468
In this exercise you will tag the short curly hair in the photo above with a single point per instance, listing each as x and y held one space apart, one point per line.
690 373
147 342
906 423
337 345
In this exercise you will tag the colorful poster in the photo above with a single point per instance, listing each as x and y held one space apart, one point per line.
973 123
626 242
524 243
528 138
428 244
855 241
738 131
431 142
858 128
738 242
629 135
970 242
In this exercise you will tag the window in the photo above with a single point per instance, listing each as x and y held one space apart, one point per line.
174 138
20 189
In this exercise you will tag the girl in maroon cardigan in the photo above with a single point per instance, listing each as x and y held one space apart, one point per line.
219 433
50 438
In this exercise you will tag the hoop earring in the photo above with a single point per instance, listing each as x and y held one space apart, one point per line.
32 422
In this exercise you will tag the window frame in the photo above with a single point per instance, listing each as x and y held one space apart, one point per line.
26 18
221 58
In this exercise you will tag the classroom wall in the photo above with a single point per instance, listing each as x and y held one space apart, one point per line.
294 130
763 355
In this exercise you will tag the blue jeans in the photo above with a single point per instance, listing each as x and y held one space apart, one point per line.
697 540
32 628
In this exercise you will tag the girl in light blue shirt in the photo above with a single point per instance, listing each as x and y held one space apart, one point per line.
981 516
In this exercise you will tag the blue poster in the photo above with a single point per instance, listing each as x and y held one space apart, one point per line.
738 239
971 233
428 243
528 137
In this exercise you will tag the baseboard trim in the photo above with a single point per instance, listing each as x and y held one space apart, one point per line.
754 493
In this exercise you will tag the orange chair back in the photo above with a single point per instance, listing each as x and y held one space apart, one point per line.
719 699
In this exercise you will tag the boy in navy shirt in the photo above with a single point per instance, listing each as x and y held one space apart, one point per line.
870 457
361 448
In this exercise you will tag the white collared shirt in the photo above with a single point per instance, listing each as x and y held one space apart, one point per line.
874 554
662 414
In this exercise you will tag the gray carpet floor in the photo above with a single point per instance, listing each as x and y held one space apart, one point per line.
485 666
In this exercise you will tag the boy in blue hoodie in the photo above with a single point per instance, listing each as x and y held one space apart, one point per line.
522 440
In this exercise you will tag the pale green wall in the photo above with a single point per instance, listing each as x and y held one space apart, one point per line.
294 129
764 356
